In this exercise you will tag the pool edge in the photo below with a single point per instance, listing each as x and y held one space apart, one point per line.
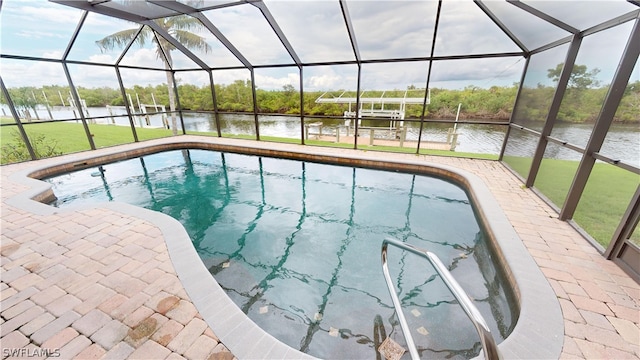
540 313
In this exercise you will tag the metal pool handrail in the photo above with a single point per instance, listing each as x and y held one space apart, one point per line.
489 346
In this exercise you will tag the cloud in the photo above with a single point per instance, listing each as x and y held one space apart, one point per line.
277 82
89 76
316 29
102 59
325 82
34 34
465 29
324 78
251 34
16 73
609 42
394 75
35 28
229 76
31 73
521 23
39 19
599 11
43 11
56 54
219 56
97 27
393 29
144 57
477 72
105 24
318 33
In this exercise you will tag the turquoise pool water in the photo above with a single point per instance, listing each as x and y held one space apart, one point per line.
296 245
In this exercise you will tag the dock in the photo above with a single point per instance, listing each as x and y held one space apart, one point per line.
394 135
375 136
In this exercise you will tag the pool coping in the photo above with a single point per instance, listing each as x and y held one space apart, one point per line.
539 330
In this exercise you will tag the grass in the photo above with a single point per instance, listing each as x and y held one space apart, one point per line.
404 150
396 149
70 137
605 198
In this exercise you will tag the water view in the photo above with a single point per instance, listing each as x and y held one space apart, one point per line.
622 141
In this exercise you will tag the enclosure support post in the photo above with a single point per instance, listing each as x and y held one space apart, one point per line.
515 107
76 98
561 88
356 53
12 108
175 90
603 121
626 227
126 104
215 102
302 106
427 92
255 103
356 130
626 255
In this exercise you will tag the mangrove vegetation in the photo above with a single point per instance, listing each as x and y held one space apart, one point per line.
582 101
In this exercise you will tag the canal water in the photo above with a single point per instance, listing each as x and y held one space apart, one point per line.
622 141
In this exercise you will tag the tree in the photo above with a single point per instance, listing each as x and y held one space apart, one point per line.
582 96
580 78
24 100
178 27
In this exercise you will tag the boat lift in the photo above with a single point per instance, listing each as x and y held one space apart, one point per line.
374 107
377 108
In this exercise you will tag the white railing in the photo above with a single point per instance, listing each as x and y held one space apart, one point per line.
489 346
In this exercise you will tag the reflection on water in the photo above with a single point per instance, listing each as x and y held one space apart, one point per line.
622 141
297 246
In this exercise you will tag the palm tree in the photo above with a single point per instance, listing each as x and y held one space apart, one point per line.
177 26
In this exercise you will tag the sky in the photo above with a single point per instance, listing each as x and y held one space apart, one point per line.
317 32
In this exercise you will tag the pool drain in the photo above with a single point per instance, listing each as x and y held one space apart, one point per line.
390 349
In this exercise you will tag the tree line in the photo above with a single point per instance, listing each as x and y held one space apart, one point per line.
581 103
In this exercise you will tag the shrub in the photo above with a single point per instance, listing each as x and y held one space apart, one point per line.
16 150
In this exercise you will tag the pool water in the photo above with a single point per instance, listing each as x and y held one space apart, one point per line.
296 245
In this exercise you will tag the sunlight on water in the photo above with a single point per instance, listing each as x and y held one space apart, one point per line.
297 245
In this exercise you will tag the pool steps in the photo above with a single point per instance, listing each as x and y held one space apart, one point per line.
489 346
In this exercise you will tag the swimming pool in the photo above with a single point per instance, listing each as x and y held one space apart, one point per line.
296 245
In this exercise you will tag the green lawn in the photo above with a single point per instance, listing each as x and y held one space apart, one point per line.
605 198
396 149
70 137
405 150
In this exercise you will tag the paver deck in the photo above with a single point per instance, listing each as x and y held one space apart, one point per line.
99 283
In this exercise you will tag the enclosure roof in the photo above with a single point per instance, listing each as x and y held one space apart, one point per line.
249 34
330 31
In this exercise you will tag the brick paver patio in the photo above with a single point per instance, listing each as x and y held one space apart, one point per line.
96 283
